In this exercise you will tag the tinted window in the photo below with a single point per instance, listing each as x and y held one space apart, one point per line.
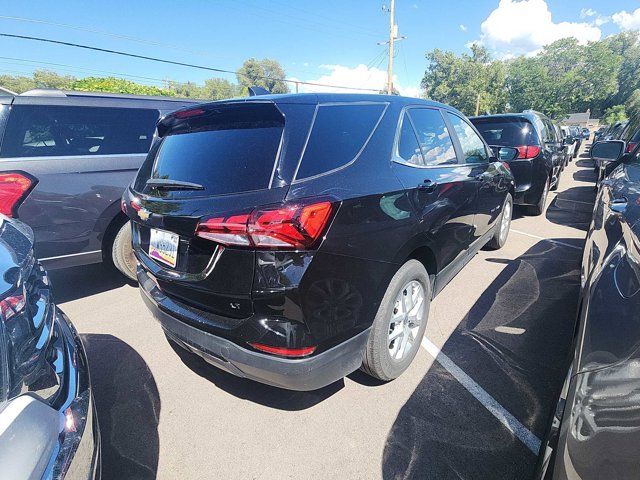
472 145
408 147
433 137
507 133
35 131
338 134
234 157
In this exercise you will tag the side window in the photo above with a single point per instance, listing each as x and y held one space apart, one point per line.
44 131
473 147
433 137
408 147
338 135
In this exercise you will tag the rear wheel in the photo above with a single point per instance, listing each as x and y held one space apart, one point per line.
502 230
399 324
538 209
122 252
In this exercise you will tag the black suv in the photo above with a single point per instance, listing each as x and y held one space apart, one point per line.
291 239
541 153
65 159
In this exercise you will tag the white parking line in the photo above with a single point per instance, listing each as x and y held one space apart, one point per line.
568 245
491 404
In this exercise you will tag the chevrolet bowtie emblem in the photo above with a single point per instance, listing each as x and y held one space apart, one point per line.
144 214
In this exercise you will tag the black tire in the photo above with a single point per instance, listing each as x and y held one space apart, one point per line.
122 253
538 209
377 360
557 184
499 238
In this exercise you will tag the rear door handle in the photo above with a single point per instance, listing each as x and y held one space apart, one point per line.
427 185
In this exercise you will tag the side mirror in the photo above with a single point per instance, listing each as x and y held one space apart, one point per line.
505 154
607 151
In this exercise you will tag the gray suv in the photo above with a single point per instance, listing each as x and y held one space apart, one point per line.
65 160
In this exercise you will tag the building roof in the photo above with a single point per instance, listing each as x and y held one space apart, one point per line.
574 118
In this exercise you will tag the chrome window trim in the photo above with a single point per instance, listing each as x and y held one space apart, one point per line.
295 179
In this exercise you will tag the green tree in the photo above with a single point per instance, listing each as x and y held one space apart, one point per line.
117 85
17 84
220 89
265 73
185 89
48 79
632 105
614 114
466 81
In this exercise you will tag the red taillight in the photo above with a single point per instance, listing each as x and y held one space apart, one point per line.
14 187
11 306
631 146
284 352
228 231
288 226
527 151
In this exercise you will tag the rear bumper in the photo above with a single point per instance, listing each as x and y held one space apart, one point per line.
302 374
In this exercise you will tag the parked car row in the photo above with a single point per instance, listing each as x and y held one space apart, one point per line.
288 239
628 135
596 427
543 152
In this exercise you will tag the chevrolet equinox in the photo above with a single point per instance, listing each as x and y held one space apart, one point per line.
292 239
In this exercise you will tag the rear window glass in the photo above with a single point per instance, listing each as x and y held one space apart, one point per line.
506 133
338 134
45 131
231 150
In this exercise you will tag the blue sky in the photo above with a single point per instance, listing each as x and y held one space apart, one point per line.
328 41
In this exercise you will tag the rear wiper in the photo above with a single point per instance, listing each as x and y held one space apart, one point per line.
173 184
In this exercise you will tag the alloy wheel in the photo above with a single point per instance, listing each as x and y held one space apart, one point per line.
406 318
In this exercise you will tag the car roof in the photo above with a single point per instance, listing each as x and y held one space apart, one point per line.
95 99
323 98
530 115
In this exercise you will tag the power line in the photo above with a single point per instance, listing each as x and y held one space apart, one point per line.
173 62
99 32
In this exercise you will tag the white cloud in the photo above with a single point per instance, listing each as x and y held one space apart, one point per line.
627 21
587 12
357 77
463 27
524 27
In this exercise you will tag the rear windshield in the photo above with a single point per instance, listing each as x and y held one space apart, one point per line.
227 150
508 133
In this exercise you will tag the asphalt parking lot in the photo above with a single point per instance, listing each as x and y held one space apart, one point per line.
501 332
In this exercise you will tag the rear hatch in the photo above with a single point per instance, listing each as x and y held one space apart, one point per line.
212 164
517 132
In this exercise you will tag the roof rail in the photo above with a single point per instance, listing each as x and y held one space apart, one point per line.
6 91
43 92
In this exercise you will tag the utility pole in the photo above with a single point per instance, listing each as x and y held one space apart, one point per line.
478 105
393 31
